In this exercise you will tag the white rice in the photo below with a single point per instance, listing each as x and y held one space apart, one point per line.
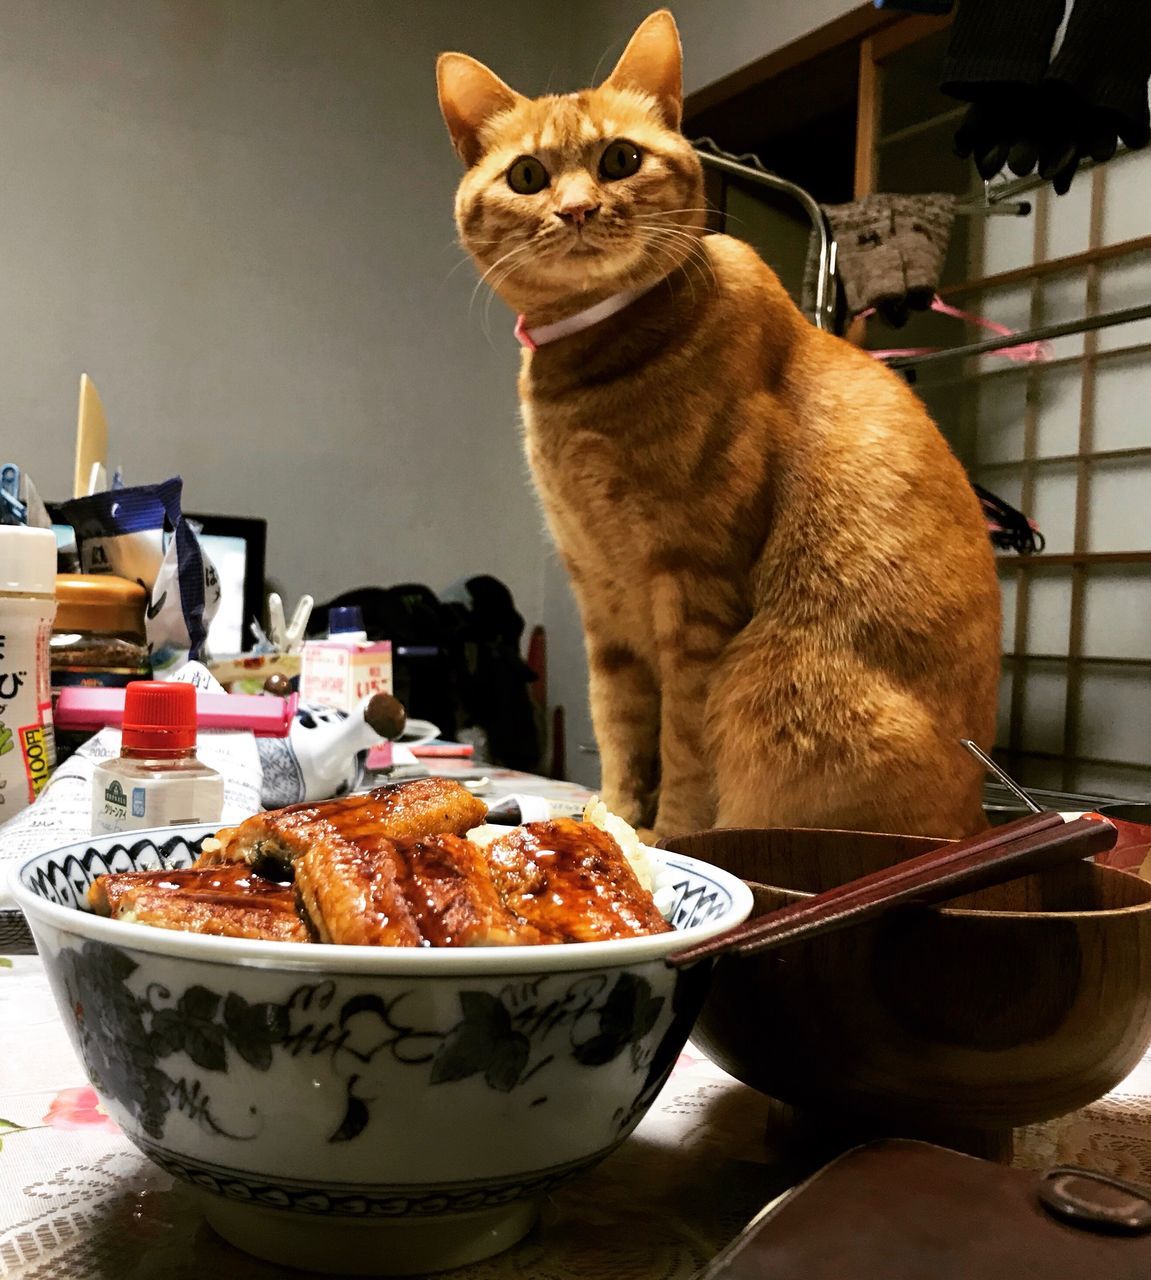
483 836
598 815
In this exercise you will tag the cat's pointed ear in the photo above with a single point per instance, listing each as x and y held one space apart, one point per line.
469 95
653 64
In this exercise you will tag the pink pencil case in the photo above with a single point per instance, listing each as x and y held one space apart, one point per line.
267 716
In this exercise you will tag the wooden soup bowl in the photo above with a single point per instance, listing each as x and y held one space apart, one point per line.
1013 1005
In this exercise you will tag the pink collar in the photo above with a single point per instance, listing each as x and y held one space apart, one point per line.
533 339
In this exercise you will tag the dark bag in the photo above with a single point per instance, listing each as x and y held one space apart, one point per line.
427 647
898 1210
495 691
457 665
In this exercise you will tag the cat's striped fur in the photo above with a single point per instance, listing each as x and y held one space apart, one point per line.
785 580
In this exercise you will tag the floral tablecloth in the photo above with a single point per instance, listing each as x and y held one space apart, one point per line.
78 1202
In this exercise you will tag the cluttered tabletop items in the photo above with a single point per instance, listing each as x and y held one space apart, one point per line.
288 980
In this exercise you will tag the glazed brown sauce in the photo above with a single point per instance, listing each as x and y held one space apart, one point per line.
433 877
565 875
232 885
359 817
552 882
573 883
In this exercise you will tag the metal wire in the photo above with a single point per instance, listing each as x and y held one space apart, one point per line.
752 168
1041 334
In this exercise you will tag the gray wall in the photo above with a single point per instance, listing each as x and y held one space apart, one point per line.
719 36
235 215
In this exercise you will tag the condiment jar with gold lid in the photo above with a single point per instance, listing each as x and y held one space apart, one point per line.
98 638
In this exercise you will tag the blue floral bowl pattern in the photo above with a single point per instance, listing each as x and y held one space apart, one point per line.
307 1085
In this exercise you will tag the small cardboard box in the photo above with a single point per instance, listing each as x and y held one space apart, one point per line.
336 673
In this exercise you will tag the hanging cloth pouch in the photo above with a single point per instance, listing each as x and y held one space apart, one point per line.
140 533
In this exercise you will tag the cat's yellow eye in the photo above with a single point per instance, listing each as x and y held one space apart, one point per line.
527 176
619 160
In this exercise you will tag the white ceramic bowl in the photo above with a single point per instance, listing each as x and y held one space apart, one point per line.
362 1109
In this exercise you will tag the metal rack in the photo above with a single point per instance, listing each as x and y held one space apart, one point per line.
1042 333
998 198
994 201
752 168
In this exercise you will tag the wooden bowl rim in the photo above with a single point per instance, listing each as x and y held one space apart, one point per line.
963 912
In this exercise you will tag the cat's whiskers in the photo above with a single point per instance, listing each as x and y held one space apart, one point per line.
698 265
687 246
493 292
691 246
678 229
665 254
493 282
496 280
484 277
695 228
465 261
469 250
691 269
664 213
644 220
651 234
681 231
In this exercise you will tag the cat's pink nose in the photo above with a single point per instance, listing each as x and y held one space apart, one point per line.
576 212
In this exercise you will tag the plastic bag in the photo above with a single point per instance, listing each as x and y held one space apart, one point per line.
140 533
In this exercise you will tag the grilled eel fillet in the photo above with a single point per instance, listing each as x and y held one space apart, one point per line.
435 891
571 881
423 807
231 902
391 868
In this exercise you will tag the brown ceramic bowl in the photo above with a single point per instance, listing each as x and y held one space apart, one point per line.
1015 1004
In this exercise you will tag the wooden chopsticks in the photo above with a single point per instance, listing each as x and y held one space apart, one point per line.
1018 848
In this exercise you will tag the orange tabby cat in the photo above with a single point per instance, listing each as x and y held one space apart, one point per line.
785 580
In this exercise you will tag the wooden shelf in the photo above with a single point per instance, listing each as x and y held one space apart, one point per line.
922 126
1073 559
1051 267
1142 664
1101 455
1033 368
1006 753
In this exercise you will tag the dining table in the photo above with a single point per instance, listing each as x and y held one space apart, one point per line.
79 1202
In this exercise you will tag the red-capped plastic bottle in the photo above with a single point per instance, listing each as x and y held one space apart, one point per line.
157 780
